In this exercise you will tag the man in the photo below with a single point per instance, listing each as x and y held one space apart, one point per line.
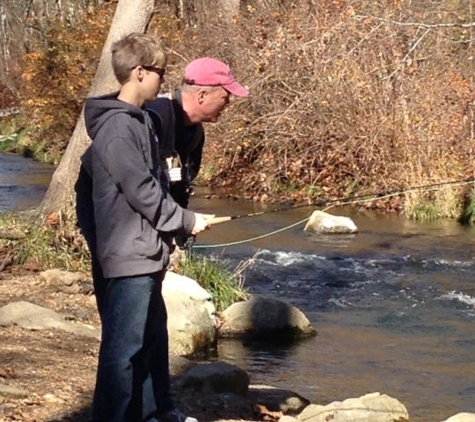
129 223
204 93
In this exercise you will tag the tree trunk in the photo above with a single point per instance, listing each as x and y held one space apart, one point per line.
130 16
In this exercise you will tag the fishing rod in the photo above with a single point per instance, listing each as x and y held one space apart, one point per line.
345 201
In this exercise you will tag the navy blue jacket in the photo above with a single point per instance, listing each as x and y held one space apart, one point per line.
178 139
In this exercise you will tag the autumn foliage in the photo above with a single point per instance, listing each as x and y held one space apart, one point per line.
347 98
56 79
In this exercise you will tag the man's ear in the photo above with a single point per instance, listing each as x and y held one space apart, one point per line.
201 95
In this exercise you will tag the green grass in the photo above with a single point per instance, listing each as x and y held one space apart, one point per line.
8 142
423 211
225 285
56 243
206 172
15 139
43 246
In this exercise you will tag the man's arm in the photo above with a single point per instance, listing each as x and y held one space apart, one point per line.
196 153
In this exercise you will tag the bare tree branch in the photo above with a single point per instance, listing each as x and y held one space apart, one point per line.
418 24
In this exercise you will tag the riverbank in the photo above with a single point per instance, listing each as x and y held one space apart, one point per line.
52 372
393 306
49 375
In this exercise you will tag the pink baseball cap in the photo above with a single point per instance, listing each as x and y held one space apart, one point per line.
212 72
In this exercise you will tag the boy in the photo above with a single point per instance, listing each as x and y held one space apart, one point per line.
129 226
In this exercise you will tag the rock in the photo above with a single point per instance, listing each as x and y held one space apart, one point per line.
34 317
12 392
265 319
179 365
64 281
224 407
216 378
277 399
373 407
461 417
191 316
324 223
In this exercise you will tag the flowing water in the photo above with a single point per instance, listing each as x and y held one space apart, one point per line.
394 305
23 182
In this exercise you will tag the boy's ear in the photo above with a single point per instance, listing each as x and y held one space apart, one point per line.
139 73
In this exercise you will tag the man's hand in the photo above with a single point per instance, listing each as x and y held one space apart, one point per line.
201 222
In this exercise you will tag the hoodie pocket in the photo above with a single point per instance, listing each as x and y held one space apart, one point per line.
149 243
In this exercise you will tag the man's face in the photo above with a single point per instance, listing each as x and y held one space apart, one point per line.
213 102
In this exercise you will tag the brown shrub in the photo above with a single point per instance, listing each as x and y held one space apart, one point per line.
7 98
346 98
56 79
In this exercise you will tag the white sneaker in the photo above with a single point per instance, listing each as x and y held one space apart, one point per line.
176 416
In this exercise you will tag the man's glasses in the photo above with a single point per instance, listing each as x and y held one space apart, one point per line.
157 70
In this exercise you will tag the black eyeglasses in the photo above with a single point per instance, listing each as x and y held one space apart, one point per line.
158 70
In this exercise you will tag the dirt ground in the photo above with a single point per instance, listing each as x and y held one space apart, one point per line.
52 372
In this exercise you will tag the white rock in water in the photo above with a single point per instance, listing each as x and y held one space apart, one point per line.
462 417
322 222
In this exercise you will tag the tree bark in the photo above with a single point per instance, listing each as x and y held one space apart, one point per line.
130 16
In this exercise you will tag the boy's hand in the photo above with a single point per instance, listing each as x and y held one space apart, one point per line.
201 222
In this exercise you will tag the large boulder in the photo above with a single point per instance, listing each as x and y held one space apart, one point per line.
216 378
223 392
265 319
191 316
191 312
373 407
34 317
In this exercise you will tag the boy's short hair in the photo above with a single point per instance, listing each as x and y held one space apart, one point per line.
136 49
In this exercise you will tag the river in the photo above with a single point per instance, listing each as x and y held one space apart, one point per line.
23 182
393 305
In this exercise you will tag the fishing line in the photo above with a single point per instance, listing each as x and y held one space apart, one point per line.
369 198
331 204
252 239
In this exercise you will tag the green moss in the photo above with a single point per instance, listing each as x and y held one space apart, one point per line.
468 214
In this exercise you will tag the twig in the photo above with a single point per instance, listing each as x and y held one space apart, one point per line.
407 54
419 24
8 260
16 235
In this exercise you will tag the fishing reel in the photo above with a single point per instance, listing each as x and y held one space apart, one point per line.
185 243
174 169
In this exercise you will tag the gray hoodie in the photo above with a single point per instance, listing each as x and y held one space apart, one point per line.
134 215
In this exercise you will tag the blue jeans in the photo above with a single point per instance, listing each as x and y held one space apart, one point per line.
133 382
